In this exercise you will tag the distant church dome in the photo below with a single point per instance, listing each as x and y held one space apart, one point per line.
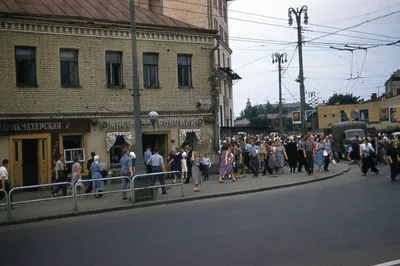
248 104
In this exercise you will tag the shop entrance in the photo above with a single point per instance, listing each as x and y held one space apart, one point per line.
30 159
30 162
156 141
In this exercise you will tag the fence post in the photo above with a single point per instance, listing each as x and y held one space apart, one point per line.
182 190
131 186
74 198
9 203
133 189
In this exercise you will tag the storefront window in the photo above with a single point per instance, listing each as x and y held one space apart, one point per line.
116 152
73 142
73 146
191 139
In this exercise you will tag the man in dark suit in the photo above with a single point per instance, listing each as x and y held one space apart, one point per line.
89 163
189 153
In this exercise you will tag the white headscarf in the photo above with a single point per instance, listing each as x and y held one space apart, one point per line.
132 155
96 159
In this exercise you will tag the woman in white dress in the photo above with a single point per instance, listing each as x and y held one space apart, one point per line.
184 165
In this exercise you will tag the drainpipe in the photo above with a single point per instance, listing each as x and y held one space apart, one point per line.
215 92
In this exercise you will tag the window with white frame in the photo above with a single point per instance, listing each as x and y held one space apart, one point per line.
71 154
114 69
73 147
185 71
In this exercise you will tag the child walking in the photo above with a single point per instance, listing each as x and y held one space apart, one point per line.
206 162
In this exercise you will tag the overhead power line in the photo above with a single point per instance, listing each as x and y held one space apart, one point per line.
291 94
285 19
354 26
363 15
290 61
253 21
355 31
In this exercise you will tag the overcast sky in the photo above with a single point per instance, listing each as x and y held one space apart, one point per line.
326 70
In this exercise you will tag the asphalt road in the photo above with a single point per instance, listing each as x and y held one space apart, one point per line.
350 220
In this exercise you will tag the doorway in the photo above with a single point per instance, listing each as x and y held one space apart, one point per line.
30 162
156 141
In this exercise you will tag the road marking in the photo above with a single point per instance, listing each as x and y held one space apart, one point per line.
390 263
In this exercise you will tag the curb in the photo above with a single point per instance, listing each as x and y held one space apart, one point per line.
185 199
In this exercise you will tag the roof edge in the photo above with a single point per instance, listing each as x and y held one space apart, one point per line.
69 19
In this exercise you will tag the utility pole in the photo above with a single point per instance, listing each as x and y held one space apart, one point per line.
297 13
136 93
280 59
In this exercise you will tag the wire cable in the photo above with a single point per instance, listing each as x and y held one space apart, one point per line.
291 94
284 19
357 25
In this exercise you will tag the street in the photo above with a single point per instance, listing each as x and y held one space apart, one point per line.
348 220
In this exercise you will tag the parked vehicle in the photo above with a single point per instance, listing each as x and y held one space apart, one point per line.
344 132
396 136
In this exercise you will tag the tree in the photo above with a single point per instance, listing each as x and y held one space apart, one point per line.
342 99
257 115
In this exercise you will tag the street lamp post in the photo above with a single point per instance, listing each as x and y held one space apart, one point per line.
280 59
140 167
153 117
297 13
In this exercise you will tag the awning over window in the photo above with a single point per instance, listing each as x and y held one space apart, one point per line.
230 73
111 138
183 134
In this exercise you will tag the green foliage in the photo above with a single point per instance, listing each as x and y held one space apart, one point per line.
257 115
287 123
343 99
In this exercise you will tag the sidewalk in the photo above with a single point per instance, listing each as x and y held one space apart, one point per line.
110 202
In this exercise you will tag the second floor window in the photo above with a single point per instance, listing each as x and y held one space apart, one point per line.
25 66
184 71
150 70
69 67
114 69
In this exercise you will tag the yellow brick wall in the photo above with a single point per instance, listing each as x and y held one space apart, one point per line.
94 96
328 114
194 12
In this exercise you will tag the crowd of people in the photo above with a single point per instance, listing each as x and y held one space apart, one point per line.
270 154
241 155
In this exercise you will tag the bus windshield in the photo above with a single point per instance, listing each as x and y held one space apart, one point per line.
351 133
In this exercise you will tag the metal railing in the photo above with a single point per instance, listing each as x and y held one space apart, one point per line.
11 203
6 204
76 195
131 183
153 187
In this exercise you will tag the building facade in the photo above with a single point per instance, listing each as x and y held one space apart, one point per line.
381 114
66 85
392 85
213 15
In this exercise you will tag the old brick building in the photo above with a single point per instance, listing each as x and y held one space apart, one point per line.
66 83
209 14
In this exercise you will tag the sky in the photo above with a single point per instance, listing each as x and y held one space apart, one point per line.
326 70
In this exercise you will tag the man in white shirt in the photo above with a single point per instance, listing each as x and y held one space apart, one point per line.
4 178
367 152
